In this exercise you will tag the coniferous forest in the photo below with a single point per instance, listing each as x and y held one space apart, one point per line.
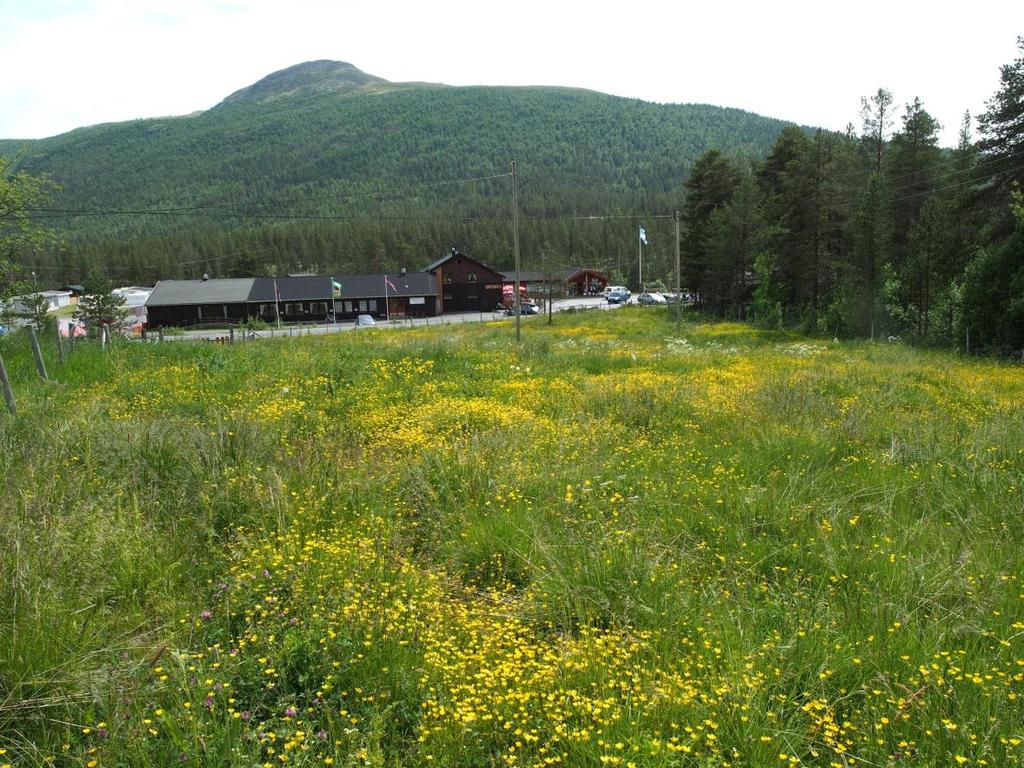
876 231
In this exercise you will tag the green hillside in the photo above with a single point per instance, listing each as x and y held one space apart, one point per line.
324 139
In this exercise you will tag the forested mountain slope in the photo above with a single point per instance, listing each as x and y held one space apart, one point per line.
324 163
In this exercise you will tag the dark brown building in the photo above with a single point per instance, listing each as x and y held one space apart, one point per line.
574 281
465 284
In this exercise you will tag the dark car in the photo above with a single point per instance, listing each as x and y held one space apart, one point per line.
524 309
618 297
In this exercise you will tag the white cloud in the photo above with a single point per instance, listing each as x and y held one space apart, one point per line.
88 61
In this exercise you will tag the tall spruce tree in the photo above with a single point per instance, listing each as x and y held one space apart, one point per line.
876 119
1002 129
736 233
915 163
710 185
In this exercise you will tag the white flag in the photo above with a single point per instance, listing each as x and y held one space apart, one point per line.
643 235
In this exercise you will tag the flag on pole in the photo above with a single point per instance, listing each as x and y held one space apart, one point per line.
335 289
643 235
389 284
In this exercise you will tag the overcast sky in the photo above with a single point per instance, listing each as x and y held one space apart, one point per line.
69 63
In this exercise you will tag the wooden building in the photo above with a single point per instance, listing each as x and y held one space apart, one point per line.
465 284
305 299
408 294
575 281
302 299
196 302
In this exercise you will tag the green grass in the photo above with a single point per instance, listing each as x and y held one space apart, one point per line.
429 547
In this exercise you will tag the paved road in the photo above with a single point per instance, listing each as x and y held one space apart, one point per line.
560 305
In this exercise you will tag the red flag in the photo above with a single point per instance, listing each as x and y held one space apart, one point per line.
389 284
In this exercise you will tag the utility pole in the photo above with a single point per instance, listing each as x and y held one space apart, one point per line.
679 279
515 242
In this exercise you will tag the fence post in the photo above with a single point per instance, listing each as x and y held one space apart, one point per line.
231 335
37 353
8 393
160 335
60 345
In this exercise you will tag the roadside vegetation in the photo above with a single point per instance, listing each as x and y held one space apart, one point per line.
611 546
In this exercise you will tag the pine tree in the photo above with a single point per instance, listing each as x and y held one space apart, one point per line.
98 307
876 118
1002 126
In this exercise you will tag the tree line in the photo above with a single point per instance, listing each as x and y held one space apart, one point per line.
872 232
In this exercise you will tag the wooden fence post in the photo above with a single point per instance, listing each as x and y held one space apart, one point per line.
60 346
8 393
231 335
37 353
160 335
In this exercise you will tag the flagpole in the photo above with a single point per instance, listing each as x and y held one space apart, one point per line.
277 303
387 308
640 261
334 302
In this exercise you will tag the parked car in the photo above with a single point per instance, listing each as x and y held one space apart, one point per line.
620 296
613 289
524 309
651 299
365 321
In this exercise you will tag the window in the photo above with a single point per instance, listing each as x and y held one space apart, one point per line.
471 277
447 278
318 308
362 305
347 306
373 305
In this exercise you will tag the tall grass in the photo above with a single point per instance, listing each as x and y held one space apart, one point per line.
608 546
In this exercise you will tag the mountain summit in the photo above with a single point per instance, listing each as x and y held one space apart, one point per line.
308 78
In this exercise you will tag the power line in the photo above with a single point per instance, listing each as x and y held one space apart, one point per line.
200 209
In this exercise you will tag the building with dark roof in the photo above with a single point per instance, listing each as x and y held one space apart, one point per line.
408 294
191 302
465 284
302 299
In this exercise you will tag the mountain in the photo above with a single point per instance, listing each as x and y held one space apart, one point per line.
310 78
322 164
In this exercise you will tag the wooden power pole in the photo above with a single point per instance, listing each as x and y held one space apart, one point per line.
515 242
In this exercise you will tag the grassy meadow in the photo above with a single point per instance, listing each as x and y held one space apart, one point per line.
611 546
